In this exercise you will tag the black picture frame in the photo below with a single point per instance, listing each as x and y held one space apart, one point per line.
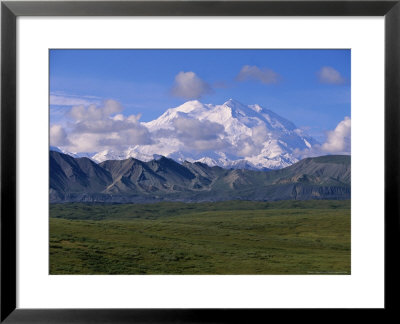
10 10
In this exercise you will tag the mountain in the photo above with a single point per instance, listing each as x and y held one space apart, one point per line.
76 175
231 135
163 179
75 155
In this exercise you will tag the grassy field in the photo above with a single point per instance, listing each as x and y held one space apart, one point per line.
235 237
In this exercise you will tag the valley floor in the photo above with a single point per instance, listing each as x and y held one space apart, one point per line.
235 237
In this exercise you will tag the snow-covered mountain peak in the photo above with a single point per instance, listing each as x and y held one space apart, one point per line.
230 135
108 154
237 107
189 106
190 109
232 103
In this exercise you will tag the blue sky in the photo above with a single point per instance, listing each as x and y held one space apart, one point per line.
309 87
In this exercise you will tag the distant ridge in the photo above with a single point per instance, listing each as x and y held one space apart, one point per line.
163 179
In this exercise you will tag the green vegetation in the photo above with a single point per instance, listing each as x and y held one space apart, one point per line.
233 237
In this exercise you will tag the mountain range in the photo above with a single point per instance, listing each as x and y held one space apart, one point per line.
231 135
163 179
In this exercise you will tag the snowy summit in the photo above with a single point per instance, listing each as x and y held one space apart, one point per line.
231 135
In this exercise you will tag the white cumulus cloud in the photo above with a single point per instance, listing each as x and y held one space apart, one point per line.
339 140
194 128
58 136
329 75
199 135
93 128
263 75
93 112
188 85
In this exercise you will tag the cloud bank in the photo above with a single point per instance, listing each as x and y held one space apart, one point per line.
93 128
188 85
200 135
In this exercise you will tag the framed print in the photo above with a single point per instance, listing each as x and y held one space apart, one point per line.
191 161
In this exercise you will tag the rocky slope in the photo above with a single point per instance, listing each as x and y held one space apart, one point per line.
132 180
